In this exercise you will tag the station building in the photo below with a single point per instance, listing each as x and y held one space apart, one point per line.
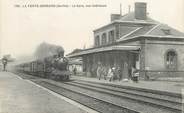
136 40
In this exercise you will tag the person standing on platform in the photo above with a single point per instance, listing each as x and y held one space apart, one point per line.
135 75
98 71
125 72
104 72
75 71
110 74
118 73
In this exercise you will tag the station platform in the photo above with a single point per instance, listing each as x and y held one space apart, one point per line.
165 86
19 95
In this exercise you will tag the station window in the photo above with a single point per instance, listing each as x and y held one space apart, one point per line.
104 38
111 36
171 59
97 41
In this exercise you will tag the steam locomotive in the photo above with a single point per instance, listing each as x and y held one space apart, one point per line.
52 67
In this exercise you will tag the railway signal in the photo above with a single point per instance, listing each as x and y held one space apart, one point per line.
4 62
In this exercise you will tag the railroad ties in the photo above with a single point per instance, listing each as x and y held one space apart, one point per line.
109 98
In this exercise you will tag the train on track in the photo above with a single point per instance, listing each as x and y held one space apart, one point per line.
52 67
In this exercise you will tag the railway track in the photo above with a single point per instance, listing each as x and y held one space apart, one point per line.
157 100
97 104
138 92
111 100
170 94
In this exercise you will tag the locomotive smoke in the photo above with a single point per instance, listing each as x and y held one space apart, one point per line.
45 50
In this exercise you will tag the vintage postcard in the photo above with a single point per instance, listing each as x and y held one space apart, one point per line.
91 56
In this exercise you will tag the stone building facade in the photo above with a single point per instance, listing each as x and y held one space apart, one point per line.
136 40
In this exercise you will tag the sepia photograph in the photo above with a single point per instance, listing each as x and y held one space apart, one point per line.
91 56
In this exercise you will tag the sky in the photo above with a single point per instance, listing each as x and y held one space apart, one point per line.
23 29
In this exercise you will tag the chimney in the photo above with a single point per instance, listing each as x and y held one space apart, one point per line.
140 11
115 17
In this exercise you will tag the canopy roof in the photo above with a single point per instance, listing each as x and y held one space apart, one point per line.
104 49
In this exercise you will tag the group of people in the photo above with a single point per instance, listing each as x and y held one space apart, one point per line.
116 73
111 73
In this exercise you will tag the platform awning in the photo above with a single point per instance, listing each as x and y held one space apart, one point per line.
104 49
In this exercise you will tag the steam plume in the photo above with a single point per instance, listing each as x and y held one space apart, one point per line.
46 50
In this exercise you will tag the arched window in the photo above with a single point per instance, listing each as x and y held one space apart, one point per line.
111 36
171 59
104 38
97 40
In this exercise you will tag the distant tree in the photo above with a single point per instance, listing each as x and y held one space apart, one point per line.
9 58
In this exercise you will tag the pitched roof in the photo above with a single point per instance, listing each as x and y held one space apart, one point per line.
147 27
164 30
142 31
155 29
130 17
